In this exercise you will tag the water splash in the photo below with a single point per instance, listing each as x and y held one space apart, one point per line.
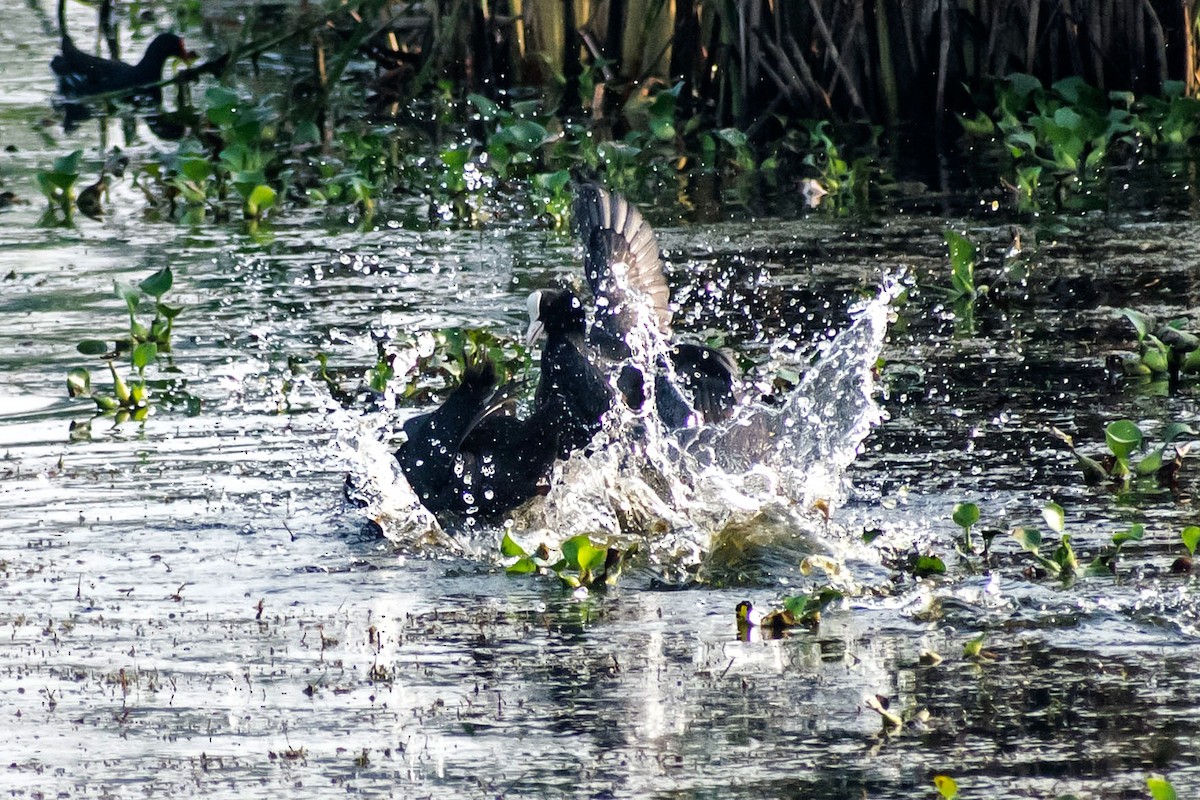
674 493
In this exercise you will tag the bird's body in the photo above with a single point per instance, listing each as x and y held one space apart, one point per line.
469 456
81 74
573 394
693 383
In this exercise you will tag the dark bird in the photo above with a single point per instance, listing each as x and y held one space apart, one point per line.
693 382
471 456
81 75
572 395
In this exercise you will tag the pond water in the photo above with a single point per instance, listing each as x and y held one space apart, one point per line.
191 607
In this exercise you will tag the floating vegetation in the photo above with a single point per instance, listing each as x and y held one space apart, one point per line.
135 396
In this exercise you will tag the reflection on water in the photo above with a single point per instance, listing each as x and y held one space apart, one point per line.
188 607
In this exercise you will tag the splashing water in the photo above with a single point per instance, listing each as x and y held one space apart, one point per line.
674 493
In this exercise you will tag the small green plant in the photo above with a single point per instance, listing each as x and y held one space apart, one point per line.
946 786
1062 562
58 187
1125 440
1105 564
965 516
132 399
798 611
1160 788
1163 350
582 563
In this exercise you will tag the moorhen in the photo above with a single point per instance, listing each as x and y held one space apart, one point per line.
81 75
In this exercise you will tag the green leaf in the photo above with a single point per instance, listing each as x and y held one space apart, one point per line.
129 295
1176 429
581 554
509 548
167 311
262 197
965 514
1151 464
222 106
974 647
1123 437
1142 323
92 347
159 283
79 383
1191 538
144 354
1134 534
869 536
962 264
1029 539
523 566
929 565
1160 788
487 108
1054 516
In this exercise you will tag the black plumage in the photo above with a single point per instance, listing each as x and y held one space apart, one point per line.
81 74
623 268
572 395
471 456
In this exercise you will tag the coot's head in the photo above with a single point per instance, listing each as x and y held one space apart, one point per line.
555 313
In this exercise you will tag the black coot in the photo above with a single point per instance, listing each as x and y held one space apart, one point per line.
572 394
624 272
80 74
471 455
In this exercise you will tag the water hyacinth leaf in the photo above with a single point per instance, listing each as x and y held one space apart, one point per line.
1151 464
128 294
523 566
1160 788
222 106
510 548
1123 437
105 403
79 383
69 163
1029 539
947 787
929 565
92 347
962 264
262 198
1055 517
1191 538
869 536
488 109
974 647
1176 429
1142 323
524 134
965 515
1134 534
144 354
581 554
159 283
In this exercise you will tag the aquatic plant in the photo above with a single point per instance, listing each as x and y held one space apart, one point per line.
1165 350
1160 788
582 563
134 398
57 186
1125 439
965 516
